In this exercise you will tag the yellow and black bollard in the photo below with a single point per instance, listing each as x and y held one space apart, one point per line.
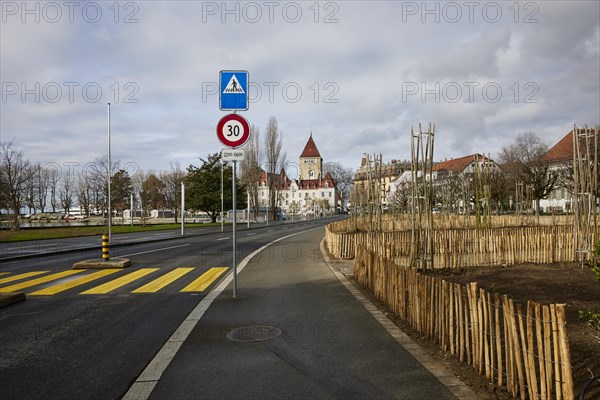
105 248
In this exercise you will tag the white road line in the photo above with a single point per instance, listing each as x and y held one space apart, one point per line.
145 383
250 234
152 251
34 246
223 238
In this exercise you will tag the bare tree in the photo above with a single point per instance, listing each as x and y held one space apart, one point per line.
250 167
15 173
524 159
67 191
42 182
275 161
172 180
30 191
85 190
138 187
342 176
53 181
400 199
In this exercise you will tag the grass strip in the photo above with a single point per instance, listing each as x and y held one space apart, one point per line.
66 232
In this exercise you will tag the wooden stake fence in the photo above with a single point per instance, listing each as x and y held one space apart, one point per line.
456 248
524 350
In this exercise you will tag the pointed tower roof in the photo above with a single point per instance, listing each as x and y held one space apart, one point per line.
310 150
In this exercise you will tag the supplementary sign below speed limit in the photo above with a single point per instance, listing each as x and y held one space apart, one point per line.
232 155
233 130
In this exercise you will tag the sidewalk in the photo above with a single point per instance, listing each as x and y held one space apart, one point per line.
295 331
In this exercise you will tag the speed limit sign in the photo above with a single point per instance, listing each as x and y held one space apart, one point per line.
233 130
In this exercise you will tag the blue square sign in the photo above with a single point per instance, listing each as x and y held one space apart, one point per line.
233 90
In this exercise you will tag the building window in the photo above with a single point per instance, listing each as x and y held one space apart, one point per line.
322 194
329 194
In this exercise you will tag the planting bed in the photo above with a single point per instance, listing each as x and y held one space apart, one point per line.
564 283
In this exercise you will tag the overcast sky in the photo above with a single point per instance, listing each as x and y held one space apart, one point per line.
359 74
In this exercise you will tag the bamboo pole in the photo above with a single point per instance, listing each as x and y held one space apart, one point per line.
540 351
531 352
557 359
498 336
517 349
565 355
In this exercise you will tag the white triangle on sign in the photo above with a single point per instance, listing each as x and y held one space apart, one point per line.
233 86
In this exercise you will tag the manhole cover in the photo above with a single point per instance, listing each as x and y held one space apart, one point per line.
255 333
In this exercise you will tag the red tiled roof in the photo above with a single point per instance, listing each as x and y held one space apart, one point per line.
310 150
457 165
563 150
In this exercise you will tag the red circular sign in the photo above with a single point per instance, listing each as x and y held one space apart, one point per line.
233 130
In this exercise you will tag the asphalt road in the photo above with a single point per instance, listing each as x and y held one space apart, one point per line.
86 336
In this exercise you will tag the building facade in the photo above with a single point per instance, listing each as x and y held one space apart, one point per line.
384 174
313 193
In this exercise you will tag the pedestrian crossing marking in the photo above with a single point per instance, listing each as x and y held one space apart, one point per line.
204 281
163 281
76 282
119 282
19 276
38 281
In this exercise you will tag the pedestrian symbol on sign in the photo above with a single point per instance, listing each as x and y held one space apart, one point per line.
233 90
233 86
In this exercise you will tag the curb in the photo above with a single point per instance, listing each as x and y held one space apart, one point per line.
7 299
103 264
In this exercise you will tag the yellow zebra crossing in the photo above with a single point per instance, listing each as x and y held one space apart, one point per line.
66 280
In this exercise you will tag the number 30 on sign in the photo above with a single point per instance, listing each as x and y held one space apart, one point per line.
233 130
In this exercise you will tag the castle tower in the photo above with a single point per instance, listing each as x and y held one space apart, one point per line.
311 163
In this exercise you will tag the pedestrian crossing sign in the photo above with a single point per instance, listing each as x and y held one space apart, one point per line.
233 90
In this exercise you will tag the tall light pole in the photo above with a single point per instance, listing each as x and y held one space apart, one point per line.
109 179
221 192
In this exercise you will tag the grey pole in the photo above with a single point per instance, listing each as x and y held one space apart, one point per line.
234 222
221 191
109 179
182 209
248 210
131 211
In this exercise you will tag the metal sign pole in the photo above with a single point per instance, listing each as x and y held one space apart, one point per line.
222 192
233 168
182 209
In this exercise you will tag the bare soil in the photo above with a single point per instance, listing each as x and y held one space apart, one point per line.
545 284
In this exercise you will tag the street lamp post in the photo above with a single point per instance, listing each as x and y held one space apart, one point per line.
109 179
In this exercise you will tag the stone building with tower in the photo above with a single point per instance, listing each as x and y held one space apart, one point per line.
312 192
